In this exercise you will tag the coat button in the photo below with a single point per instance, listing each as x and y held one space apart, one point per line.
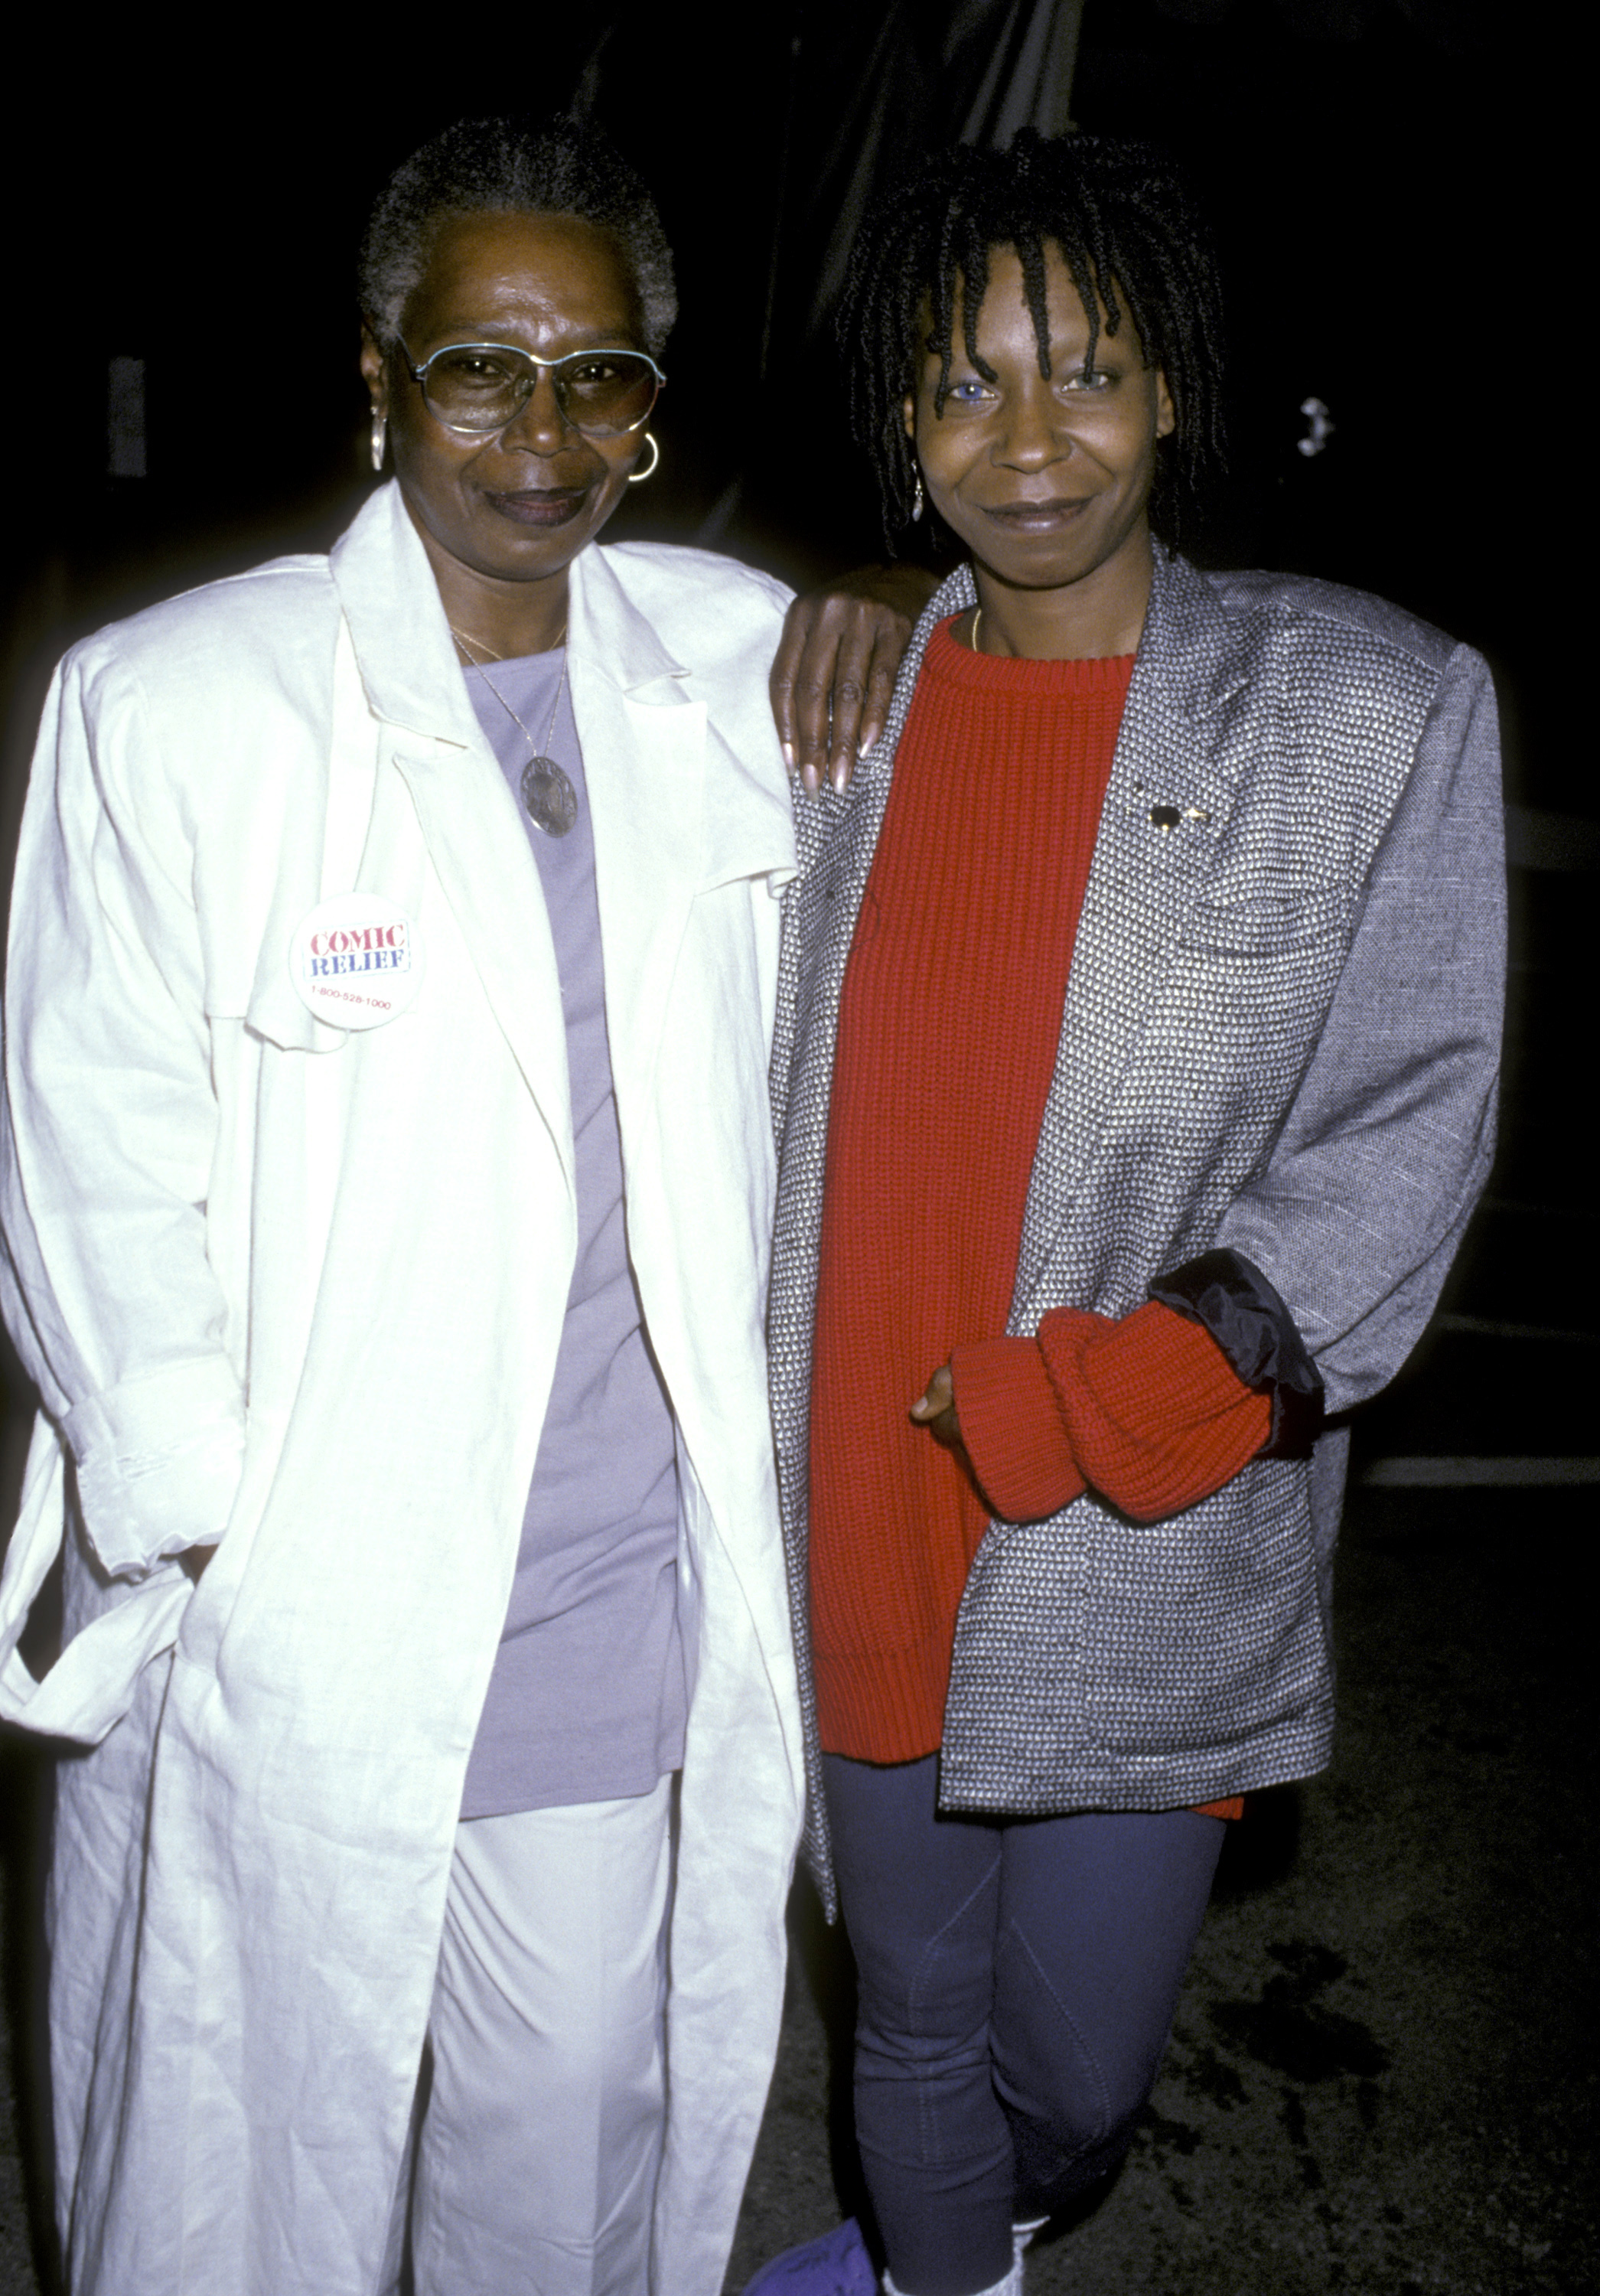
1165 816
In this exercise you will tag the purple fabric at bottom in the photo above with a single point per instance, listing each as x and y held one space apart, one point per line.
835 2264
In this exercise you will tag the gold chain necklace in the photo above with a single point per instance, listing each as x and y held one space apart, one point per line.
547 793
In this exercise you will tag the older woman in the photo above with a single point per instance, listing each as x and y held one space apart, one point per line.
387 1188
1138 1025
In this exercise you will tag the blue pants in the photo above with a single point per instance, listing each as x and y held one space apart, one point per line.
1017 1983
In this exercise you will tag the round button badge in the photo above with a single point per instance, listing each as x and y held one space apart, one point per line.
357 961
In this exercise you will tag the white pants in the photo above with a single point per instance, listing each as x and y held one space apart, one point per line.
540 2113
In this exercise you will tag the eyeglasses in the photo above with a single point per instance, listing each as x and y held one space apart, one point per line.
482 387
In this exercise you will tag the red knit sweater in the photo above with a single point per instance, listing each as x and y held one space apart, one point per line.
947 1033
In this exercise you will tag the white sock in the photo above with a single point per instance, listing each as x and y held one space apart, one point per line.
1012 2285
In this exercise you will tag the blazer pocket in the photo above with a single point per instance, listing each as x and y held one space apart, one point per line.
1205 1629
1268 925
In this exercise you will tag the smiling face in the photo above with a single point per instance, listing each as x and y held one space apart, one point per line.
1046 481
503 516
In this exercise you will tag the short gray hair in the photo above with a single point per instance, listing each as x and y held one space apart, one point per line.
518 167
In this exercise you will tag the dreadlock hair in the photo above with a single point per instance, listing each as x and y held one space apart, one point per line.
520 166
1128 233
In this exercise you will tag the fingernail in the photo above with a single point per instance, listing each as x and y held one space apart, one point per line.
788 749
842 774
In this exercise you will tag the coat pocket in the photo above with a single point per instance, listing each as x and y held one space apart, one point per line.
1103 1664
1204 1630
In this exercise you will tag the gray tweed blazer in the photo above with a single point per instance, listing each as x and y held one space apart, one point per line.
1280 1036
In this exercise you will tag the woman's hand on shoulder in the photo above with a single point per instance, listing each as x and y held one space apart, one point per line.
835 667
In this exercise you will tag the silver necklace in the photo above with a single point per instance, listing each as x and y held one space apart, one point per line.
547 794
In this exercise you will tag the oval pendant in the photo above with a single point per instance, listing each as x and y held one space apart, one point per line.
551 800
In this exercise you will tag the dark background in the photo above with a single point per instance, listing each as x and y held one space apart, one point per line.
1381 2081
1378 170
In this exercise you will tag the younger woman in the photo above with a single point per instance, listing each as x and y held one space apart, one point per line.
1138 1037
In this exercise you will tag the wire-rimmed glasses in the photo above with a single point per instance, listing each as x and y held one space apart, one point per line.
477 387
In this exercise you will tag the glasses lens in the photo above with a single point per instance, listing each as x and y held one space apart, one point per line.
483 386
478 387
604 392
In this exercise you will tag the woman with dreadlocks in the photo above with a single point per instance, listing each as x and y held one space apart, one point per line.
1137 1034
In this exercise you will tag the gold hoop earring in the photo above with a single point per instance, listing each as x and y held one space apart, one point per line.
918 500
636 478
380 434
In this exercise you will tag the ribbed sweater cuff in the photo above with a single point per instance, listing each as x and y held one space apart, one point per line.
1013 1428
1155 1415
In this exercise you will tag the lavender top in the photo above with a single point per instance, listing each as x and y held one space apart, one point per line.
587 1702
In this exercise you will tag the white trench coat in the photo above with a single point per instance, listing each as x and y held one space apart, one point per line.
304 1286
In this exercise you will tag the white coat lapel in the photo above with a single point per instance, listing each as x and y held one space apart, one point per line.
480 851
474 839
643 740
1167 806
677 810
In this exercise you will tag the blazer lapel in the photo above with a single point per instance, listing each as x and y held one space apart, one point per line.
838 840
1167 805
